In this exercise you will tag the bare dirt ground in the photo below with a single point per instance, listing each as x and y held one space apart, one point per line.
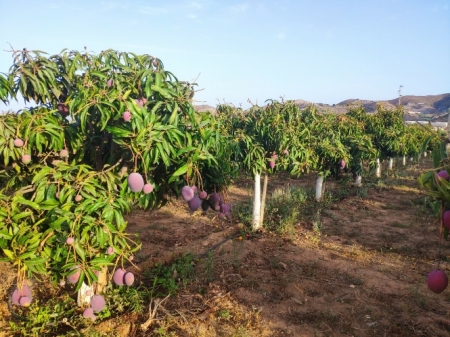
356 266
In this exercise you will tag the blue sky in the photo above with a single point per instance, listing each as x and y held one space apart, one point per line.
318 50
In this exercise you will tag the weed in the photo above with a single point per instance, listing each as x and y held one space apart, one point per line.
240 332
283 209
166 279
132 299
56 316
224 314
362 192
244 213
317 224
162 332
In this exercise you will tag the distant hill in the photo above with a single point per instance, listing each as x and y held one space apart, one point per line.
204 107
433 107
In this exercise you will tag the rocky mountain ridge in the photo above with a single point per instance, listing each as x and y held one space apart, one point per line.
430 107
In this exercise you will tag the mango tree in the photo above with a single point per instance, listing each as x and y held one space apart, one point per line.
329 153
208 180
105 132
387 128
413 140
261 133
436 183
358 141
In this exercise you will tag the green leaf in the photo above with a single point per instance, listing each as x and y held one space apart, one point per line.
5 235
162 91
40 194
118 132
181 170
24 201
80 251
436 157
126 94
100 262
9 254
41 174
21 215
35 261
26 255
185 149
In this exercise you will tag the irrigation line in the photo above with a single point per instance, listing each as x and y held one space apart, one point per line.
217 245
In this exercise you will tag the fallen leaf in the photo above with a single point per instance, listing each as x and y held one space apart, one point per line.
205 314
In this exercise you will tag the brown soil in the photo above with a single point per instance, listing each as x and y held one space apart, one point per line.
357 269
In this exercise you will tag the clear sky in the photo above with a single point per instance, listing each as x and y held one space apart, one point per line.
323 51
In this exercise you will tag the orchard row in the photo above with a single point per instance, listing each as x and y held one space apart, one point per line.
112 131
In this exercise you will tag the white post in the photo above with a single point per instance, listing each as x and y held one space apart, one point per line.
391 163
257 203
319 186
378 169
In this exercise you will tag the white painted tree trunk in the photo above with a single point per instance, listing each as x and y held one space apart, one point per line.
378 169
425 153
404 160
263 199
391 163
319 188
86 292
411 159
358 180
257 203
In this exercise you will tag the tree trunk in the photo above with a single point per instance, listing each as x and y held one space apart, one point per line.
378 169
257 203
391 163
319 188
358 180
98 159
404 160
263 200
86 292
